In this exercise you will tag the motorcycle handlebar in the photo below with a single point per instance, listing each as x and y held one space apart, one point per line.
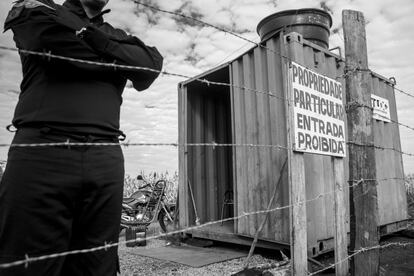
145 186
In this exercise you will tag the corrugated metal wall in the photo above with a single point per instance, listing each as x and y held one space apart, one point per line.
260 119
210 171
392 198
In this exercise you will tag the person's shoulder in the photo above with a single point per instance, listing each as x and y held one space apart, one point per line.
21 5
22 8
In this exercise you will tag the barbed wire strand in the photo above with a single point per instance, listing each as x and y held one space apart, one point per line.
162 72
246 39
221 29
76 144
389 83
354 104
362 250
398 123
106 246
379 147
242 88
207 82
28 259
49 55
402 91
232 53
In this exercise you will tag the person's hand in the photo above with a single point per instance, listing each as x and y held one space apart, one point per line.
95 38
81 32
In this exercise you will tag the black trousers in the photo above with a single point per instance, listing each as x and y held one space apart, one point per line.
56 199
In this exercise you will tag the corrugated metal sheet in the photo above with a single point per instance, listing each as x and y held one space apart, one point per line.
392 198
260 119
209 172
235 115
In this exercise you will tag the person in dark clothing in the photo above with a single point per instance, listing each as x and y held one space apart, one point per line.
63 198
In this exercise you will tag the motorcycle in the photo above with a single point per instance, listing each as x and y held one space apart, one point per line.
147 205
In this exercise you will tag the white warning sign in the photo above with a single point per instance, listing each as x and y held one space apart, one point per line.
319 113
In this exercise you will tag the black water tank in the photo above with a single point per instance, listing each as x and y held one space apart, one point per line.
312 24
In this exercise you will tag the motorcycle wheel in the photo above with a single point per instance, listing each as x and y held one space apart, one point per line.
165 223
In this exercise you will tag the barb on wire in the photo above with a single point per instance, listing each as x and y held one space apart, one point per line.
354 104
106 246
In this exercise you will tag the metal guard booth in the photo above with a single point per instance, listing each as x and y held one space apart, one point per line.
234 115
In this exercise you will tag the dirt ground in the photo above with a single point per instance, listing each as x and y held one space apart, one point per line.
394 261
134 264
397 261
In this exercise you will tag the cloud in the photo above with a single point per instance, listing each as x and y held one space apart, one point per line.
190 48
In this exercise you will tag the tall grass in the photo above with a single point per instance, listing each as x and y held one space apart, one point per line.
131 184
409 185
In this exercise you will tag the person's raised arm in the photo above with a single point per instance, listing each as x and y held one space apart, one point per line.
127 50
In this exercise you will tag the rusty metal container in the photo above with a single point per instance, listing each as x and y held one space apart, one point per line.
312 24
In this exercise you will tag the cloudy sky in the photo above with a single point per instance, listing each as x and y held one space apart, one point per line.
189 49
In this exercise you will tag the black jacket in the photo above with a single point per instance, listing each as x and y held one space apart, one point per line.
72 96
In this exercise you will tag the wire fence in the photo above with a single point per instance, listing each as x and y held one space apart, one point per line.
353 183
68 143
362 250
28 259
274 94
49 55
246 39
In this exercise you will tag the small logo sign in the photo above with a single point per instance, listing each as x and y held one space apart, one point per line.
381 108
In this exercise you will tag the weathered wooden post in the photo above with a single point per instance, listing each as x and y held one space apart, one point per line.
341 237
363 197
296 166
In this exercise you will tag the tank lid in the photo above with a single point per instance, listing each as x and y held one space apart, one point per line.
291 18
299 13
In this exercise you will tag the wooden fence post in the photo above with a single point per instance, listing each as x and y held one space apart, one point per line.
341 235
296 168
363 197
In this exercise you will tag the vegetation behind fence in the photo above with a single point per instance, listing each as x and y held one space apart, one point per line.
131 184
